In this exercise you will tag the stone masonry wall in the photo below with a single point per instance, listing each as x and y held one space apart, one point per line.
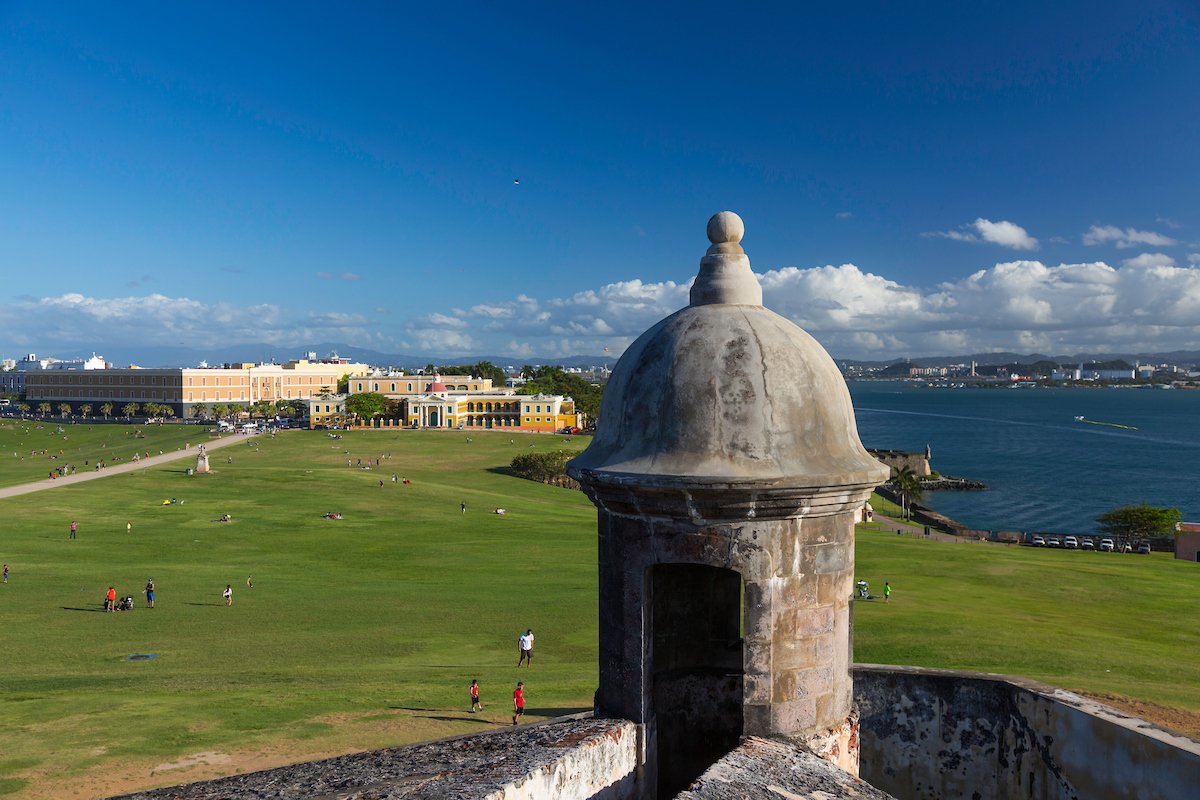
942 735
568 759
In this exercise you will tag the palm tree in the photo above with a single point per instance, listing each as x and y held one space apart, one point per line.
106 409
909 486
23 408
64 409
199 411
43 408
85 409
165 411
129 409
219 410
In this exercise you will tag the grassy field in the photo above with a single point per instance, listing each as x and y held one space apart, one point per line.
31 449
366 631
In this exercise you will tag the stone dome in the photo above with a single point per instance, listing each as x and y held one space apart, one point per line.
726 393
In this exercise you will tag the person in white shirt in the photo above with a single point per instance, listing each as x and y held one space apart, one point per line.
525 646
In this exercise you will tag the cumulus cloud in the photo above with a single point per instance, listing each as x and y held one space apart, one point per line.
1146 303
96 322
1125 238
1149 260
1003 233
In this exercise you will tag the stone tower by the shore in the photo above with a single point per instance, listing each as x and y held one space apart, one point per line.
728 474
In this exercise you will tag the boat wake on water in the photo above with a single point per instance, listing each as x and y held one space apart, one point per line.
1109 424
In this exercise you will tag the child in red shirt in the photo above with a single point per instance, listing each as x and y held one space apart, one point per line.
475 696
518 702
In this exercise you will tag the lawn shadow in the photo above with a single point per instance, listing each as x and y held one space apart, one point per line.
95 610
466 718
557 712
204 604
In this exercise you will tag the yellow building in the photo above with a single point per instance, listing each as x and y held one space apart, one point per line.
399 385
184 388
327 411
444 405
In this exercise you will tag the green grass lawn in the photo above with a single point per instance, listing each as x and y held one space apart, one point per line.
31 449
366 631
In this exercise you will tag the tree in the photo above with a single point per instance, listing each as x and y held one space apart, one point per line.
85 409
129 409
64 409
165 411
106 409
200 411
366 405
343 384
909 486
43 408
262 408
1131 523
219 410
23 407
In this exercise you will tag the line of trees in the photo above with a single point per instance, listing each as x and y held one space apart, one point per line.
553 380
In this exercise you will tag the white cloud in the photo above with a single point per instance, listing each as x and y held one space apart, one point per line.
1147 303
844 215
1125 237
1170 223
1149 260
1003 233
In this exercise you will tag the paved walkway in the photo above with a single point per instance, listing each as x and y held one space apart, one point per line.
128 466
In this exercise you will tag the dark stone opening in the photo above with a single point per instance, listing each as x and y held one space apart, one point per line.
141 656
696 658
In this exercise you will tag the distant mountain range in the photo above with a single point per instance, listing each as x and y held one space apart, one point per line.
152 356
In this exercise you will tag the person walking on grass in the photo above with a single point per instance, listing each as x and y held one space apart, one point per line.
525 648
887 591
475 696
74 527
110 600
518 702
6 573
462 507
129 527
228 594
149 590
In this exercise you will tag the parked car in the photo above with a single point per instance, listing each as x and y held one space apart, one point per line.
1144 548
1053 541
1106 545
1088 543
1071 543
1126 548
1038 541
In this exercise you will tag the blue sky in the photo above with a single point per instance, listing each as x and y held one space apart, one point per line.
915 178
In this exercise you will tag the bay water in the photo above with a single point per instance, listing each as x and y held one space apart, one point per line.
1045 470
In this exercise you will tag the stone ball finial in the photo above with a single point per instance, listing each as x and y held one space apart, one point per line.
725 226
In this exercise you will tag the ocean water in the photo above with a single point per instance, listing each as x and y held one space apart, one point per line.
1045 471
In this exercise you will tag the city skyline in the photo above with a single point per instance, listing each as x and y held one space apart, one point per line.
534 182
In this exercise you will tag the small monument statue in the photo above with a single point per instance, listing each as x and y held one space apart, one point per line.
202 462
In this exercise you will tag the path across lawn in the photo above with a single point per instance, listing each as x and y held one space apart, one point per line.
115 469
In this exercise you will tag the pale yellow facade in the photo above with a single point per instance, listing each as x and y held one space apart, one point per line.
187 387
327 411
402 385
